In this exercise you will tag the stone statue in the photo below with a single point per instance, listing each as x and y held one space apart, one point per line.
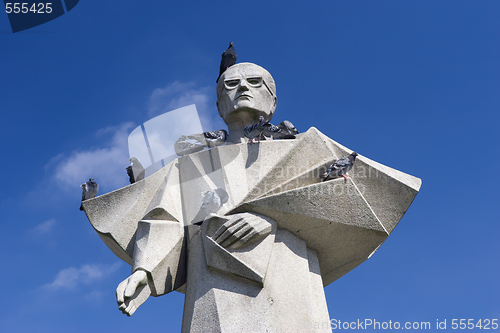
261 258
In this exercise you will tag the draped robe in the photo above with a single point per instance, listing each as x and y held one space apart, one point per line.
317 231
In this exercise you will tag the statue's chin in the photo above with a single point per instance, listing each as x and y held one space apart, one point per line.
246 114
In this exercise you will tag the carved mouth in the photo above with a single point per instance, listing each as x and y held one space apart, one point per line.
243 95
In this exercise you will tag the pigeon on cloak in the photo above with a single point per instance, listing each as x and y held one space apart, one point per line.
284 130
274 132
215 138
340 167
187 144
89 190
135 171
288 131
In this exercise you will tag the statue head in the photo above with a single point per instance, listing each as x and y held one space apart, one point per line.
245 91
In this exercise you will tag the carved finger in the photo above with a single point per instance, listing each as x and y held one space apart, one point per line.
125 308
131 287
244 239
223 228
119 292
229 232
130 309
219 231
261 229
235 237
222 238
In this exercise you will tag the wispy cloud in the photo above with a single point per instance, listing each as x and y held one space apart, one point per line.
105 164
177 95
180 94
44 227
72 277
43 234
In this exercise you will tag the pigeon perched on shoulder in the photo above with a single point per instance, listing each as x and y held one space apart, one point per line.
340 167
89 190
255 130
284 130
228 59
215 138
136 171
274 132
212 202
288 131
187 144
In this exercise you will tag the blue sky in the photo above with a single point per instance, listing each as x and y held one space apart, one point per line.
411 84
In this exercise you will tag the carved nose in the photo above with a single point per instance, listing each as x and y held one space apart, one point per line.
243 85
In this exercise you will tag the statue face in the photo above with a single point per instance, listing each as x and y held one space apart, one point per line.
246 91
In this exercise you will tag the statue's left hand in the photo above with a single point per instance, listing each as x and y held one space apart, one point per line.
132 292
239 231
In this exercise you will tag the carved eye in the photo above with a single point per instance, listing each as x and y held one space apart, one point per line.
255 81
230 84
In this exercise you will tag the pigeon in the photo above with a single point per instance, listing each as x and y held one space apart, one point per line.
215 138
187 144
288 131
228 59
284 130
255 130
136 171
274 132
130 174
340 167
89 190
212 202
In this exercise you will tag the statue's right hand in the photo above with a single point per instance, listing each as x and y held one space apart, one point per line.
132 292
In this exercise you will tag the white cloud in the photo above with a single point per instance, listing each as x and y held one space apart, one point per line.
72 277
177 95
106 165
44 227
42 233
180 94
